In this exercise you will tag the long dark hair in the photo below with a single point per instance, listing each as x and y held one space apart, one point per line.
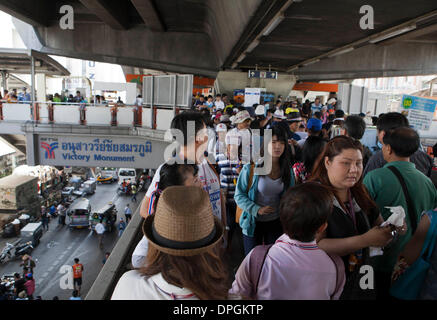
286 158
204 274
333 148
312 149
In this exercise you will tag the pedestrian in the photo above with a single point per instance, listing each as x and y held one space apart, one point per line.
107 254
27 263
19 286
77 275
127 213
311 150
53 210
100 230
240 138
354 127
121 227
134 193
171 175
190 259
353 225
295 261
44 218
192 151
259 200
30 285
387 190
390 121
75 295
412 253
61 213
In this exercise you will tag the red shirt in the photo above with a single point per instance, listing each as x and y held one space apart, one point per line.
77 270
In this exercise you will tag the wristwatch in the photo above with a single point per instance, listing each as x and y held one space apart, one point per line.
227 228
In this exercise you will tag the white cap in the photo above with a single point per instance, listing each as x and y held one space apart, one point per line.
260 110
332 100
279 114
221 127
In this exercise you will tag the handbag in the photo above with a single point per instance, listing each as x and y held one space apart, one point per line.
239 211
409 284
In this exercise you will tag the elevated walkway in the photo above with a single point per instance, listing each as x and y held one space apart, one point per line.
89 135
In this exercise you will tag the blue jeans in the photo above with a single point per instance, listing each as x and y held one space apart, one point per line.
265 233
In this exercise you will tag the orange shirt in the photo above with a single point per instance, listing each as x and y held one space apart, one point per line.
77 270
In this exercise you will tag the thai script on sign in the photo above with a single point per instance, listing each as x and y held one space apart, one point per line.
106 145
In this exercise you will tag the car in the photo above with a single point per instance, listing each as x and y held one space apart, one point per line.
67 191
105 179
79 193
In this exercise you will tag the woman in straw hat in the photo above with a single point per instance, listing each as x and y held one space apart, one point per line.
183 259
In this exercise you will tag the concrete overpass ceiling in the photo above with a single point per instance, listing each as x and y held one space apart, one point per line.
311 28
206 36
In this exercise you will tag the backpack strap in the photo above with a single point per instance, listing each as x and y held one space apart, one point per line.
252 166
413 219
256 262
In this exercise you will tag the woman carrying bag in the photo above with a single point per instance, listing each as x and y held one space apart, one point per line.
259 202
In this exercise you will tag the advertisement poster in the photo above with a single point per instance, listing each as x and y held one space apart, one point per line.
251 96
419 111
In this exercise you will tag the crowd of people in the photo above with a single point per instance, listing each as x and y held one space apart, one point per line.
309 223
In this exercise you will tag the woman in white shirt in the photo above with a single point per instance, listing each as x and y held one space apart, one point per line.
183 259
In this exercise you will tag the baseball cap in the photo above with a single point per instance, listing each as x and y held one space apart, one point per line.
279 114
314 124
221 127
293 115
260 110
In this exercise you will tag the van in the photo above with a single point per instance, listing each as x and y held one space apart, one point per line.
127 174
79 213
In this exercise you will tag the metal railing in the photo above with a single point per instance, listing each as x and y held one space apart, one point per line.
111 114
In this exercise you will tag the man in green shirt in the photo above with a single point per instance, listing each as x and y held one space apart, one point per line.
384 188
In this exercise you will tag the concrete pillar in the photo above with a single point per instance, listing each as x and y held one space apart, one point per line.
32 150
4 80
41 87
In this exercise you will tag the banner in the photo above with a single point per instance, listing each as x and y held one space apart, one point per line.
419 111
118 152
251 96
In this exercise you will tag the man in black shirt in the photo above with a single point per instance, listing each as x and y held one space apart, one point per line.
18 284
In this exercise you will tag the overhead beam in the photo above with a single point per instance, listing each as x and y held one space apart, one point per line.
113 13
149 14
29 11
267 12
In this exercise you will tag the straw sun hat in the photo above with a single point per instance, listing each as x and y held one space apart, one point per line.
183 224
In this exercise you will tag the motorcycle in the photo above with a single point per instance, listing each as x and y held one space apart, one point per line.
126 191
20 250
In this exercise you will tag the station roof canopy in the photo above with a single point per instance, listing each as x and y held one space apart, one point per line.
312 39
19 61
